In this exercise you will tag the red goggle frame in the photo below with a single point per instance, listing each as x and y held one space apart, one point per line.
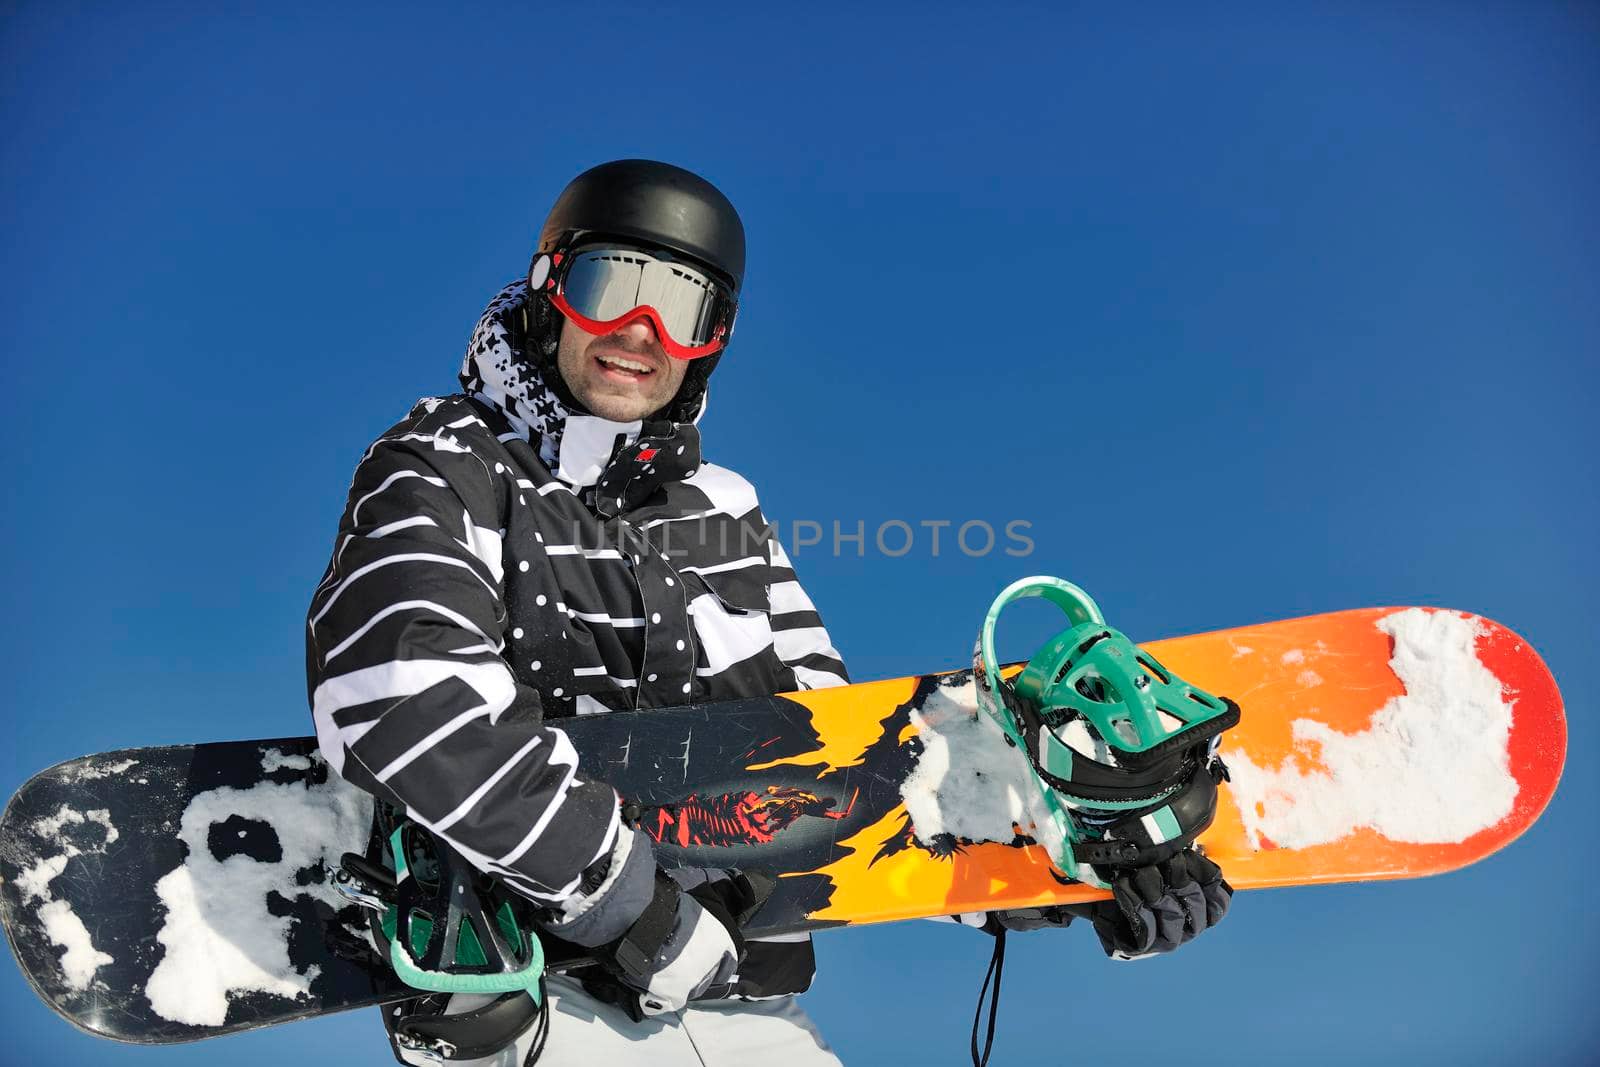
603 288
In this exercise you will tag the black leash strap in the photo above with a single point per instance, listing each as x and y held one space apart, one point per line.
542 1031
997 964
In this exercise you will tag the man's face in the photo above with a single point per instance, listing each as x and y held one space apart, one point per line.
623 375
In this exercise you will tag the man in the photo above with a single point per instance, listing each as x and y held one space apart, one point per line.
548 543
551 543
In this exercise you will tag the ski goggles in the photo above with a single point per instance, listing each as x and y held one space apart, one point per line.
602 288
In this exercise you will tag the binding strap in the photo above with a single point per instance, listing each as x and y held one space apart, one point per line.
1159 832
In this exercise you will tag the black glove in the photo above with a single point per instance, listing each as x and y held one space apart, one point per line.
704 945
1158 908
733 895
657 939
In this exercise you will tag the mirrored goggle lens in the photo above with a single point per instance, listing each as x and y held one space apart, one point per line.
605 284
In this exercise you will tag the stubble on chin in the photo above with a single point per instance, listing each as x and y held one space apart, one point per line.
610 400
609 405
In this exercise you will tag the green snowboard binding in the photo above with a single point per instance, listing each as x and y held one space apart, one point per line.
446 928
1123 750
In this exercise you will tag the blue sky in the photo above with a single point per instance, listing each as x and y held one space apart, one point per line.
1250 313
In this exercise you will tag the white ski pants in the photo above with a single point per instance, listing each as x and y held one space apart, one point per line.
732 1033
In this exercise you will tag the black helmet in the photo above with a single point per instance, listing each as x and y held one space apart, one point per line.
653 203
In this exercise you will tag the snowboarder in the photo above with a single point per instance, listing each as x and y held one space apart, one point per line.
550 542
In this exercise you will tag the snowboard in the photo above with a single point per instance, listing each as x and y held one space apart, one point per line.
167 894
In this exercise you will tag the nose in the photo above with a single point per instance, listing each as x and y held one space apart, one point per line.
638 331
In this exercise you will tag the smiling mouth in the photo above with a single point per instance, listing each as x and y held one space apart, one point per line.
624 367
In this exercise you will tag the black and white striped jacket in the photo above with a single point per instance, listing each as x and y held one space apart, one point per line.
474 598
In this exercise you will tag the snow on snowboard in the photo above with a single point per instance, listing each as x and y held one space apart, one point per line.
168 894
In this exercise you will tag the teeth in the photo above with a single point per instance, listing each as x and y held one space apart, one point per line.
625 364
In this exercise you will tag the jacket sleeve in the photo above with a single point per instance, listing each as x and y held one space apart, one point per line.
411 698
798 635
